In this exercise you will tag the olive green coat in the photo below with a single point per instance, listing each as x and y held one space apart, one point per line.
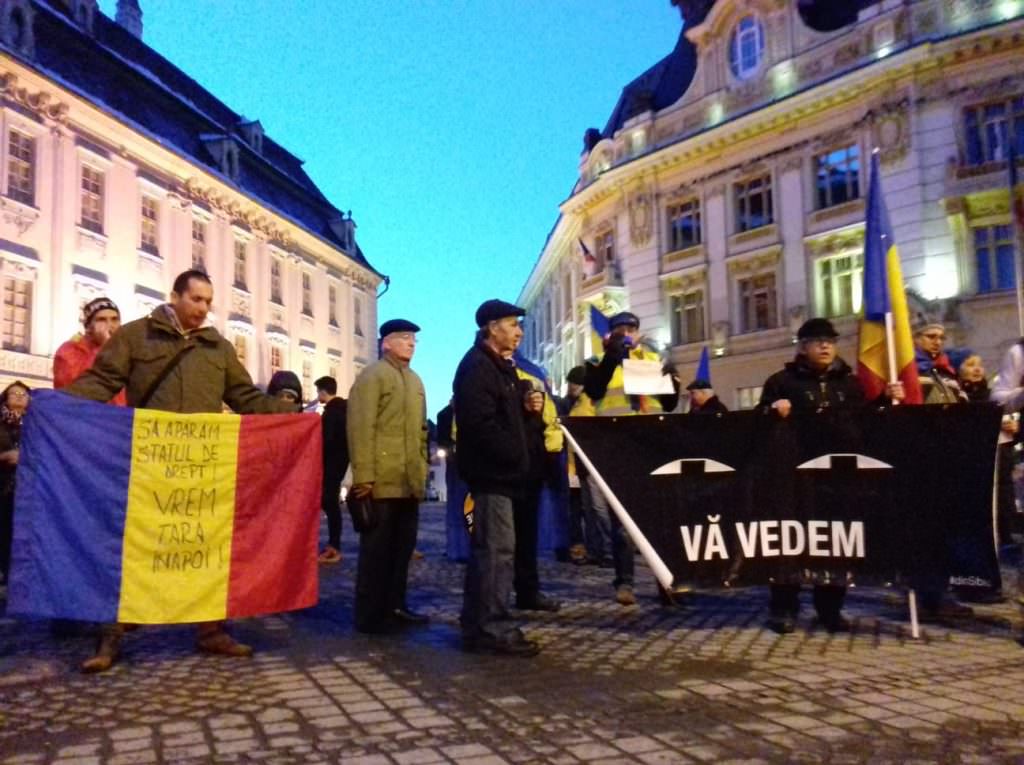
207 375
387 431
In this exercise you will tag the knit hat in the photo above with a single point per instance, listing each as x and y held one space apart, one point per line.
94 306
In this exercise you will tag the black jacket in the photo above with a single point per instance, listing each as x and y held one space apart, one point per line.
713 405
490 424
333 421
809 390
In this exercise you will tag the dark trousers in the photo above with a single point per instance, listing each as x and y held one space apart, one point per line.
6 533
575 517
384 553
526 512
329 501
489 569
828 600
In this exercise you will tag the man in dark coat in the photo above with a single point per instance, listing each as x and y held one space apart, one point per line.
335 456
816 379
703 399
493 411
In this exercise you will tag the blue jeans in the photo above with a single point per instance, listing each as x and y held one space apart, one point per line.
489 571
622 545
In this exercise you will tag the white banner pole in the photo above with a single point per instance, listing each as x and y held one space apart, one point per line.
661 571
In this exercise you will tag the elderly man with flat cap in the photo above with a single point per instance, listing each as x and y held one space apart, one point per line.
703 399
387 444
495 415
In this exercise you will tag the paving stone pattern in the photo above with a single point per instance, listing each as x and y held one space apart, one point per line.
645 684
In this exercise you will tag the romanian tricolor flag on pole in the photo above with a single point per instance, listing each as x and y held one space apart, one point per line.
886 352
135 515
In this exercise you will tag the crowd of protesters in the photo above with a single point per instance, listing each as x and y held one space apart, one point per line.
508 463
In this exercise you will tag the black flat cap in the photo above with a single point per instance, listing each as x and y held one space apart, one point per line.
624 319
699 384
813 328
397 325
576 375
492 310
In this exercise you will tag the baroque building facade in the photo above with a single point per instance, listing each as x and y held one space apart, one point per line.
724 201
118 171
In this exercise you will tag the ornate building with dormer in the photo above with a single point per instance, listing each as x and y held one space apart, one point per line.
119 171
724 200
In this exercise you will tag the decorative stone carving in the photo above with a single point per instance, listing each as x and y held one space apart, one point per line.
89 241
720 337
760 261
836 243
20 216
641 215
241 303
890 130
685 281
792 162
797 316
40 102
25 364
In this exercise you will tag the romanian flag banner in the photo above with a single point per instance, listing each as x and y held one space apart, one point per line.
149 517
884 295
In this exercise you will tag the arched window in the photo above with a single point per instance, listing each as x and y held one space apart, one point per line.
746 47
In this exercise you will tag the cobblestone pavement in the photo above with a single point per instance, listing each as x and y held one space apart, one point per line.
644 684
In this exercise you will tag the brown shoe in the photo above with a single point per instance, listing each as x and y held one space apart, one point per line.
107 651
221 643
329 555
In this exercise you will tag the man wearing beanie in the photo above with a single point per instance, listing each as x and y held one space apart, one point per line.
816 379
100 320
285 386
387 444
494 413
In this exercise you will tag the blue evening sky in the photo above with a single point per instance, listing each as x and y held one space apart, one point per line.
451 128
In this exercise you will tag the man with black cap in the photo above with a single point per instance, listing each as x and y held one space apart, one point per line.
494 416
816 379
703 399
387 444
605 384
101 318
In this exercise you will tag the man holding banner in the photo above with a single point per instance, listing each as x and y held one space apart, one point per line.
173 361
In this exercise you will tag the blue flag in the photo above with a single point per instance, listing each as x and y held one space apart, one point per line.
704 366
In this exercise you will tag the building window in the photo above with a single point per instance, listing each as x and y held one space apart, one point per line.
275 281
748 398
92 199
687 319
683 225
758 306
840 285
988 127
21 168
276 363
241 348
307 378
357 311
240 265
17 318
332 306
838 176
746 47
754 203
199 245
307 294
993 257
148 226
604 249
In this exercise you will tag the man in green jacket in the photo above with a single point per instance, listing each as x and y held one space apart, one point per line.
171 361
387 444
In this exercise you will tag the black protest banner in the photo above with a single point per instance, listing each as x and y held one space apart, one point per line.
748 497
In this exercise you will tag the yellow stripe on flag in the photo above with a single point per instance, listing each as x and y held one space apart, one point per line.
873 348
181 510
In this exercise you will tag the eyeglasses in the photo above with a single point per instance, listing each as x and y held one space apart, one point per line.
17 394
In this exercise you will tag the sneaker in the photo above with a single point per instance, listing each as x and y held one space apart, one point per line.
539 602
578 554
511 643
328 556
782 625
221 643
624 595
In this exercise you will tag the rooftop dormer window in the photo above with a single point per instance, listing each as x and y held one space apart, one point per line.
746 48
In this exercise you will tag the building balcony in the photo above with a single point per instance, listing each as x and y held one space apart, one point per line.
682 259
754 238
591 285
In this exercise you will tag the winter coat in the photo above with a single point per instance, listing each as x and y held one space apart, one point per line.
493 442
809 390
333 423
204 377
72 359
939 382
387 431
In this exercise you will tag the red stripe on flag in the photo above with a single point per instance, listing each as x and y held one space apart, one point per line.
277 515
